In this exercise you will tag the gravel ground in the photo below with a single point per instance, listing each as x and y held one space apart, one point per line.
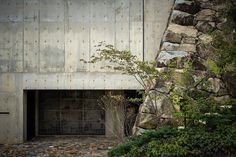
60 146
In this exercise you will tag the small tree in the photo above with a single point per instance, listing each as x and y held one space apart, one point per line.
124 61
144 72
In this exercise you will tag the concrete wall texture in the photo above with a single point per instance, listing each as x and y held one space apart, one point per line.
43 41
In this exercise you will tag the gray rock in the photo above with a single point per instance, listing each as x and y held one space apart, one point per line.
212 85
174 59
167 46
205 38
184 31
161 70
223 91
188 40
203 51
214 5
222 99
221 25
213 24
200 75
168 122
182 18
206 5
175 33
205 15
187 47
187 6
153 103
146 120
163 86
165 56
204 26
157 106
172 37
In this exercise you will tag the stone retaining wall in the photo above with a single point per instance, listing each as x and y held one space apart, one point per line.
184 40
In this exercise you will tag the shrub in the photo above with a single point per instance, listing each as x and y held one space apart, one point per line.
223 56
172 142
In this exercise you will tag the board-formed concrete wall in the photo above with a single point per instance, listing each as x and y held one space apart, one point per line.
43 41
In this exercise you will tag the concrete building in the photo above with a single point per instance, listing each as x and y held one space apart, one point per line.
44 87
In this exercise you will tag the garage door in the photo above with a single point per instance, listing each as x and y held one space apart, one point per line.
71 113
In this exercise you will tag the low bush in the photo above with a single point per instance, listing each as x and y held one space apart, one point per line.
173 142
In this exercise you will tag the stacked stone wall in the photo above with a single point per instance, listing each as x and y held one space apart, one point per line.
184 41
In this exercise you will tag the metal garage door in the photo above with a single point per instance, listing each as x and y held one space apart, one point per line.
71 113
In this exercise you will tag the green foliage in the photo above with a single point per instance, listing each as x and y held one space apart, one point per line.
197 108
144 72
213 67
223 57
205 112
171 142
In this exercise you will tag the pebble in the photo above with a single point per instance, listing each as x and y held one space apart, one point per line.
60 146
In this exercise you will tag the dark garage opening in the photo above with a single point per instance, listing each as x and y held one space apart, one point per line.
66 112
70 113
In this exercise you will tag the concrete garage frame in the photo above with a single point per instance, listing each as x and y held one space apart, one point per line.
42 42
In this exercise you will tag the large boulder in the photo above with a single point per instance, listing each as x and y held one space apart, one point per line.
157 108
156 103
